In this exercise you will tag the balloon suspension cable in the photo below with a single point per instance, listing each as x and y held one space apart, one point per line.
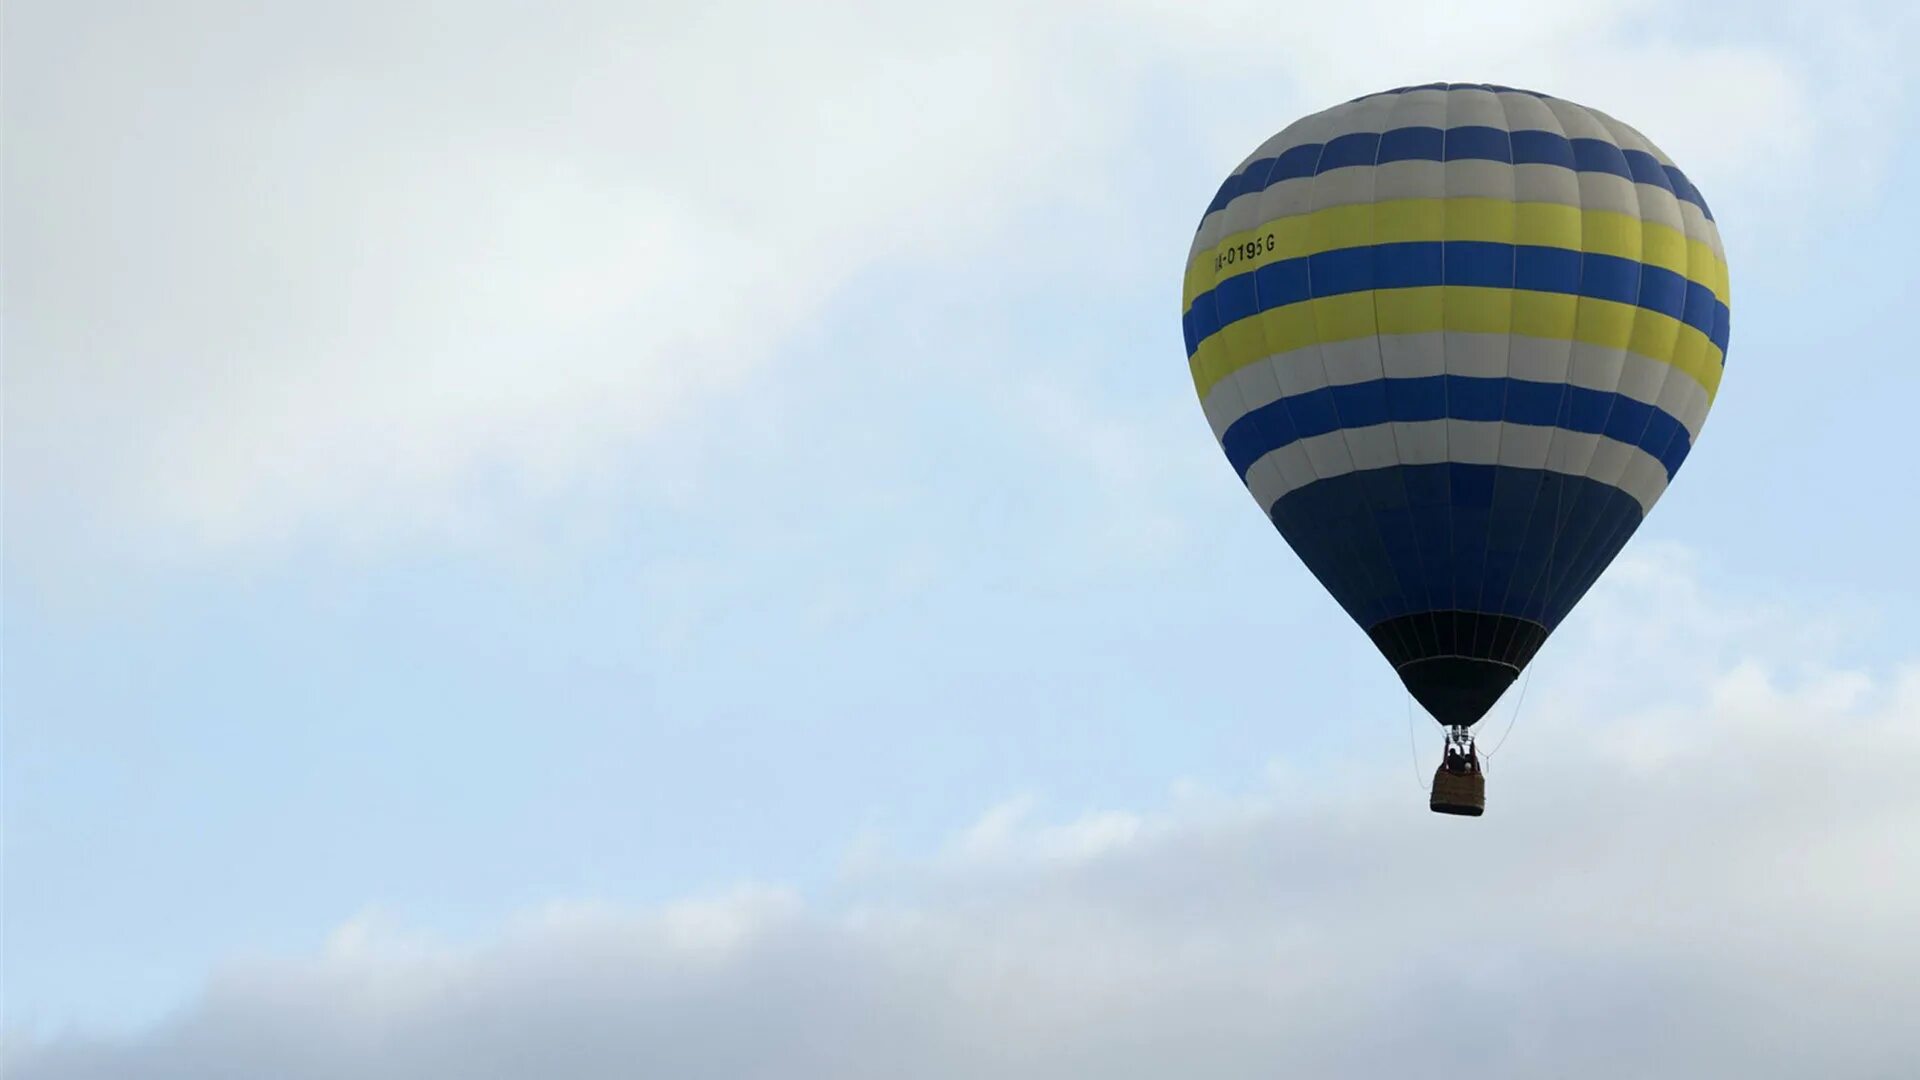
1515 718
1413 749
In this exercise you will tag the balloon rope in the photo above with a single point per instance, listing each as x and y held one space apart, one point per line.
1413 751
1515 718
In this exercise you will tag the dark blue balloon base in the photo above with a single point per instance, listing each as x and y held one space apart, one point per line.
1458 663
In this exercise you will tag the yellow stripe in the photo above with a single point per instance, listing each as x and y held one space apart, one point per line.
1708 269
1460 308
1494 220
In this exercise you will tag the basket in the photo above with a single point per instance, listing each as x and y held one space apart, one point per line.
1458 793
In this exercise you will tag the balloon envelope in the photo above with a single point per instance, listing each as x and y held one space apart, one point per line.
1457 339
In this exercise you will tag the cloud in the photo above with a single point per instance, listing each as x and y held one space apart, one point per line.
358 267
366 274
1697 861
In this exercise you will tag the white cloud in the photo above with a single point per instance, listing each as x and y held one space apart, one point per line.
1733 898
387 263
1003 835
359 273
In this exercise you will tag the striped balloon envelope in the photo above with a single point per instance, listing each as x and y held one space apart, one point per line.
1457 339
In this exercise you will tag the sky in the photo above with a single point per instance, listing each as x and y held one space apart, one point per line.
623 540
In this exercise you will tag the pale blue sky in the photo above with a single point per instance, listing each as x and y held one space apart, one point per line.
451 471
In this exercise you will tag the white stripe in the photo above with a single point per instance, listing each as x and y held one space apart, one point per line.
1478 179
1473 442
1482 356
1468 107
1241 392
1342 187
1371 453
1596 367
1699 228
1685 401
1413 356
1641 382
1524 112
1605 191
1419 108
1644 474
1576 121
1661 206
1355 360
1610 460
1291 465
1547 184
1410 180
1524 446
1300 371
1539 359
1628 468
1423 441
1332 455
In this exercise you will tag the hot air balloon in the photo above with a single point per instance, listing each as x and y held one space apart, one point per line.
1456 339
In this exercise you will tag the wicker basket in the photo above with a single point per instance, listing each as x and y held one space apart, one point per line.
1458 793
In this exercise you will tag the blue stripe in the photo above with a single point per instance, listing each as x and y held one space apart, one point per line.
1412 144
1467 143
1456 262
1359 148
1598 155
1416 538
1462 397
1543 148
1478 144
1684 190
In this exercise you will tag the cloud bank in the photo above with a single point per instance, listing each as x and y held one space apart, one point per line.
1698 861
